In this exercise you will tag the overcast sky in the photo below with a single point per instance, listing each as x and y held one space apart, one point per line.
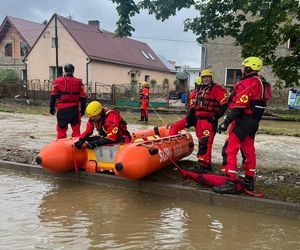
184 53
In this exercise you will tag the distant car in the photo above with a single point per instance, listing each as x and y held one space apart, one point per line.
173 95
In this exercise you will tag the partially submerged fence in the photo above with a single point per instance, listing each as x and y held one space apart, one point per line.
121 94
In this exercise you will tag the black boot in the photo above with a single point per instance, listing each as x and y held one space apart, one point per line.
142 119
202 168
146 119
249 183
228 188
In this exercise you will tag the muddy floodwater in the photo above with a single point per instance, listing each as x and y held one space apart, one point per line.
35 131
40 213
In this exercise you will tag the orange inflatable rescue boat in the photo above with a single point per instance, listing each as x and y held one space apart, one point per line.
149 151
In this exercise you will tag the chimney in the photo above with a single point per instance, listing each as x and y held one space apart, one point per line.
172 62
94 23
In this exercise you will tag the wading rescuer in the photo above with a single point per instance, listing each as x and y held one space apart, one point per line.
109 124
144 97
67 92
246 109
189 120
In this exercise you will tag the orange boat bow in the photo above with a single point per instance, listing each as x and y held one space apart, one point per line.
138 160
62 156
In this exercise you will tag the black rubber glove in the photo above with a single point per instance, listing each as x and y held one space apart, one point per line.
52 104
79 143
98 142
82 105
223 126
190 121
212 119
52 110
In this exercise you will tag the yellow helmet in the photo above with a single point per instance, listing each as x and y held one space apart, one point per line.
94 108
145 84
198 81
207 72
253 62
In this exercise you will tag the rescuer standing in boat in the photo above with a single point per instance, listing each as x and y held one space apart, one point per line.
67 92
144 97
109 124
189 120
246 110
210 104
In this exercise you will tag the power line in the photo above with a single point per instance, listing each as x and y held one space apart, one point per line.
166 39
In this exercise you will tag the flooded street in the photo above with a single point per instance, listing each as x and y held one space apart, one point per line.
40 213
35 131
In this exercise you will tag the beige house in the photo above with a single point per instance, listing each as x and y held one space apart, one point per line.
17 36
225 60
97 55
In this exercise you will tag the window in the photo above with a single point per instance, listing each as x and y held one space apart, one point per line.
53 42
145 55
24 74
292 42
52 72
151 56
21 50
8 49
232 77
132 75
264 9
147 78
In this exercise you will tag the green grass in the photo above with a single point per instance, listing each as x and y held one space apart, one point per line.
22 109
280 192
292 117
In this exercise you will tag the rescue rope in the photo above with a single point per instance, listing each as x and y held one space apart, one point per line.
74 159
157 113
184 173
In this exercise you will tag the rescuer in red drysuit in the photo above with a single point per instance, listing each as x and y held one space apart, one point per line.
144 97
67 92
210 104
246 109
109 124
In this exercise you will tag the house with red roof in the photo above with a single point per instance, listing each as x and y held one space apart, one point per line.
17 36
98 56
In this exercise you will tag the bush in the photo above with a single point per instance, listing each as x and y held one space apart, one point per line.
166 83
152 83
8 75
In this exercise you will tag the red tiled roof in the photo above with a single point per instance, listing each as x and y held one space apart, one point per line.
103 46
30 31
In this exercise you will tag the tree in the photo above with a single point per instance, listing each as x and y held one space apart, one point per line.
259 27
153 83
166 83
176 83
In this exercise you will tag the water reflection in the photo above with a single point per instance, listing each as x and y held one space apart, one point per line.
71 215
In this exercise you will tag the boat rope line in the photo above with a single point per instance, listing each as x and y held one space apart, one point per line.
74 159
176 165
161 140
195 140
157 113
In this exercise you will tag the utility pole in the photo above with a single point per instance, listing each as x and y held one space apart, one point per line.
56 45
